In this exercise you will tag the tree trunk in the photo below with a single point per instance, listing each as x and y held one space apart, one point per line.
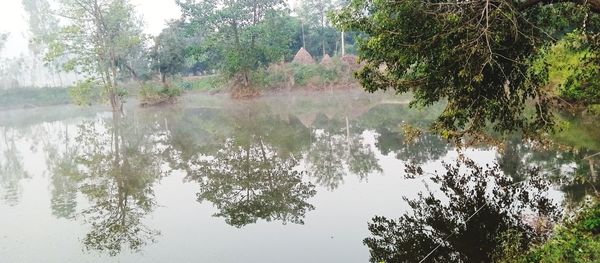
163 79
303 37
343 44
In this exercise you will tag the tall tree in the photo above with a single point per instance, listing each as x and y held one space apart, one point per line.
238 32
43 26
479 55
97 38
314 14
170 50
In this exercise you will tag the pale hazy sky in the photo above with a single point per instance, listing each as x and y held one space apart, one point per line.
12 19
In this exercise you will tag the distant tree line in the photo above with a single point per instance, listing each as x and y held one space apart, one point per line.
102 41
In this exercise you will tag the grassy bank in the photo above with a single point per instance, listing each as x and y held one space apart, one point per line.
33 97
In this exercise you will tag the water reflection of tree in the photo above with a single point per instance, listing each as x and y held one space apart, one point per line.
248 171
450 221
11 168
61 159
424 148
338 149
567 168
249 182
387 119
115 168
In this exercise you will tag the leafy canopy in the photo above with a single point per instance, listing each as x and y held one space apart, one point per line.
477 55
239 35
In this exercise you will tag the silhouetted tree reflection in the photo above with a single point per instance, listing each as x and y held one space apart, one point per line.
424 148
472 237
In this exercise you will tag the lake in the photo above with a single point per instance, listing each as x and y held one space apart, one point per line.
287 178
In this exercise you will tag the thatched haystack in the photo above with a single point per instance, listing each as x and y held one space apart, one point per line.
303 57
326 61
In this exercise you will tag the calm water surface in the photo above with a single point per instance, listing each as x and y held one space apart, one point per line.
277 179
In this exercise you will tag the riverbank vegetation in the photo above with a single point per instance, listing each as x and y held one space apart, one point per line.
501 67
33 97
245 43
500 64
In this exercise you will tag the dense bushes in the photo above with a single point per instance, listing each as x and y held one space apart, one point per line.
577 241
315 76
201 83
571 70
152 94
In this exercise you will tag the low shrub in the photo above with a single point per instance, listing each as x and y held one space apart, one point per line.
294 75
577 240
201 83
152 94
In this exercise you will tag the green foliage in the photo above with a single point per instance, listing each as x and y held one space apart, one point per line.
577 241
99 39
305 75
204 83
319 36
594 109
85 92
28 97
239 36
313 74
170 49
578 132
151 93
567 60
479 55
42 24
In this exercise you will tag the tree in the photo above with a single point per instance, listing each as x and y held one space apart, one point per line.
479 55
43 27
239 34
97 38
169 53
314 18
